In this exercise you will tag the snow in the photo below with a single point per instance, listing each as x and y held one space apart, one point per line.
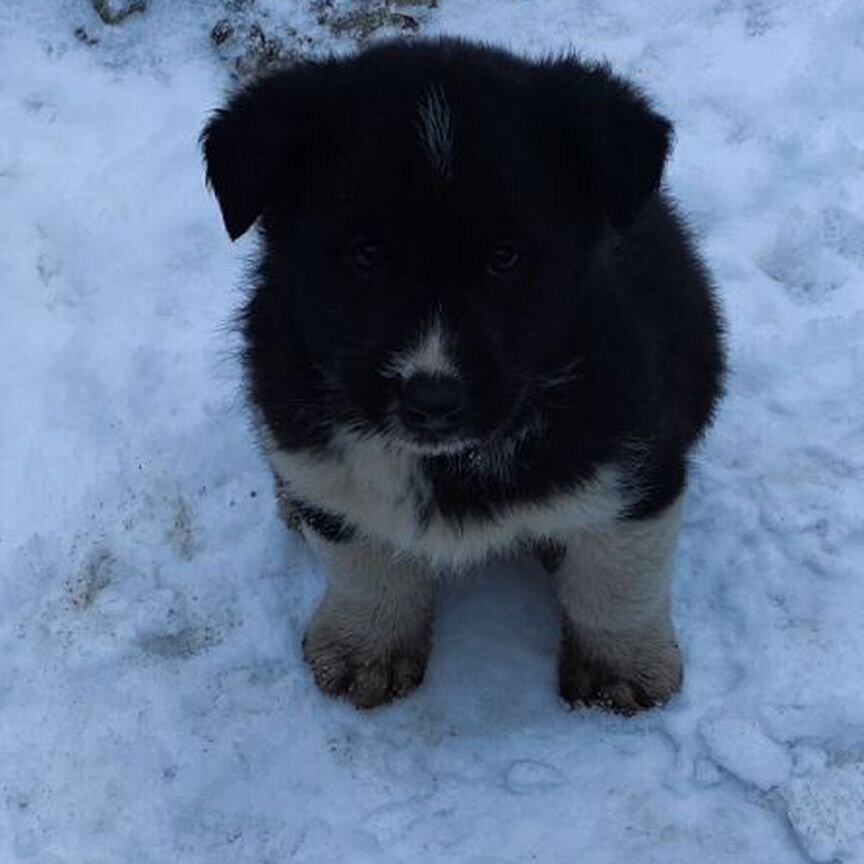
153 703
825 808
744 750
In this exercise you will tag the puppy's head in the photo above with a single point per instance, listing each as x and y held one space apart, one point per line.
431 214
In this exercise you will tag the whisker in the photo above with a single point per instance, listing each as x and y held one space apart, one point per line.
562 377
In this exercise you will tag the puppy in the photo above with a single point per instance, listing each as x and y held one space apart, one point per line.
476 327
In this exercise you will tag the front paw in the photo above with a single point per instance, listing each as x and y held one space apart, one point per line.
649 676
364 675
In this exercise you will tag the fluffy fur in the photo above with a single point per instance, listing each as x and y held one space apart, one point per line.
477 326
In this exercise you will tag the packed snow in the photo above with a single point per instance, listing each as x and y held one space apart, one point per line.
154 706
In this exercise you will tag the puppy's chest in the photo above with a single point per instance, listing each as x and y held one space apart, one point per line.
389 495
382 491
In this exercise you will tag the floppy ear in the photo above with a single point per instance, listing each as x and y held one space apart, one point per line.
253 145
622 141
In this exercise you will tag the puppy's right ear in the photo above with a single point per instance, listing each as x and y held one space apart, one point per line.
617 141
254 145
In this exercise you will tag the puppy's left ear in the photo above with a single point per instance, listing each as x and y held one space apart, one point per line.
621 141
262 141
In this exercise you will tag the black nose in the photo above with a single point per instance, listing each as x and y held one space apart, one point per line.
433 403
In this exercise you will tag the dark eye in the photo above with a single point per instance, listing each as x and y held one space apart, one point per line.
504 259
366 255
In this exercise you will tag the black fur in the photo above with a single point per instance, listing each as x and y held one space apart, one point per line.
602 345
327 525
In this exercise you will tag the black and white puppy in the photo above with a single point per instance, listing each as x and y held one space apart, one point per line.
477 327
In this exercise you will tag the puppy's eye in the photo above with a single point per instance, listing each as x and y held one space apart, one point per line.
366 255
504 259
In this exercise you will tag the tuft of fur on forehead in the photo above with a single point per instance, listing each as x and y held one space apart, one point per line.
436 131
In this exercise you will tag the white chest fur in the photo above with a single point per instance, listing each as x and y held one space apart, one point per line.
383 491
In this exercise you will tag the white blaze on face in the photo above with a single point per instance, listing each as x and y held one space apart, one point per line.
436 131
430 355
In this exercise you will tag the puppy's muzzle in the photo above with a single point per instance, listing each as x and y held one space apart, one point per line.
433 406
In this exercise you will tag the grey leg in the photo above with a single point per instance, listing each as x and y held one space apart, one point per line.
370 638
618 648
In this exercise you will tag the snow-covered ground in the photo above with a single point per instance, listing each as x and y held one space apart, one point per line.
153 704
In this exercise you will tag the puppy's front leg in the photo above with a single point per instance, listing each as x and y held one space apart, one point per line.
370 638
618 648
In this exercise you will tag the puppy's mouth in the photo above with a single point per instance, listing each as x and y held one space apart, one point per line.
404 440
487 456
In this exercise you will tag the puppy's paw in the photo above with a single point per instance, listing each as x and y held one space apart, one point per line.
646 680
365 677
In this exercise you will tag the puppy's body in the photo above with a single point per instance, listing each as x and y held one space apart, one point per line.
477 327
